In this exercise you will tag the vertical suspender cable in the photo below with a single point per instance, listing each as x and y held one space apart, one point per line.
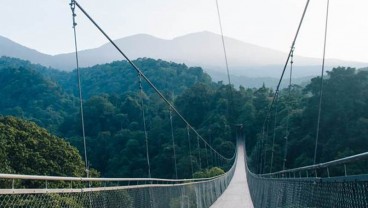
287 133
173 143
261 155
321 86
205 146
144 125
274 133
190 150
72 6
265 148
199 154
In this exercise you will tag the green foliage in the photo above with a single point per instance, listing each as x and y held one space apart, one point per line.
343 126
28 149
209 173
119 77
27 94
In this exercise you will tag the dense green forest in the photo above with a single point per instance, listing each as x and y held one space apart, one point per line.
343 127
114 123
28 149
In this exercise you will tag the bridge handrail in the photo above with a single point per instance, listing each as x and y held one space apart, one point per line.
340 161
83 179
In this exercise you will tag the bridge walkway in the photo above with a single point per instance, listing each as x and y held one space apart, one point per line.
237 194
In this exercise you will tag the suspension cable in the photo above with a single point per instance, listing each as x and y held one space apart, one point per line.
230 92
223 42
141 94
190 150
72 6
274 133
287 133
321 86
287 61
173 143
149 81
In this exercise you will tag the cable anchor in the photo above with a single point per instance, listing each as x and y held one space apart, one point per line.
72 7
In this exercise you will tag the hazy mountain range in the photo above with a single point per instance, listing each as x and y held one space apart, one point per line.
197 49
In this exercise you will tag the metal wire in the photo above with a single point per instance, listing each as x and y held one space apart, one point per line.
141 94
173 144
321 88
287 133
274 134
199 154
72 6
190 150
159 93
308 192
287 62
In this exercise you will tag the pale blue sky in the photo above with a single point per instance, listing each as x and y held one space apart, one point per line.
46 25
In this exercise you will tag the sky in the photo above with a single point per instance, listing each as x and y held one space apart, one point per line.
47 25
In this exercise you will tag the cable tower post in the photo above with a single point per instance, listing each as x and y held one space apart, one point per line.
72 7
321 85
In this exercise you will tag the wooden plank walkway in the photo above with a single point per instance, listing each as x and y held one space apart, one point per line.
237 194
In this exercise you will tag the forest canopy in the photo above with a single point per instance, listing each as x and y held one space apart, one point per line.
114 125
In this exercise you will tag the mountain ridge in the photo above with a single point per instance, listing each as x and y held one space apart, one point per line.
202 49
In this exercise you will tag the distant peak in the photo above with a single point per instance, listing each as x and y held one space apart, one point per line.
198 34
140 36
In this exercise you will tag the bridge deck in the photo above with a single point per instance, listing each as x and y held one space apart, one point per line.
237 194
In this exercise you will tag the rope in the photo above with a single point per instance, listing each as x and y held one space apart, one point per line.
321 86
287 133
173 143
148 81
72 7
274 134
144 125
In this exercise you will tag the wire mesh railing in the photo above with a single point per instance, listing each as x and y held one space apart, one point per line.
311 186
46 191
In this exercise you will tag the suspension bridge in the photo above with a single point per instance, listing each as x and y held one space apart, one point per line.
308 186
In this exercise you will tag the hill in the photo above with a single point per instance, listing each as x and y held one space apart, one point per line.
28 149
26 93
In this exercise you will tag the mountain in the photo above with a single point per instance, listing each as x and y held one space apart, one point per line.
12 49
197 49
